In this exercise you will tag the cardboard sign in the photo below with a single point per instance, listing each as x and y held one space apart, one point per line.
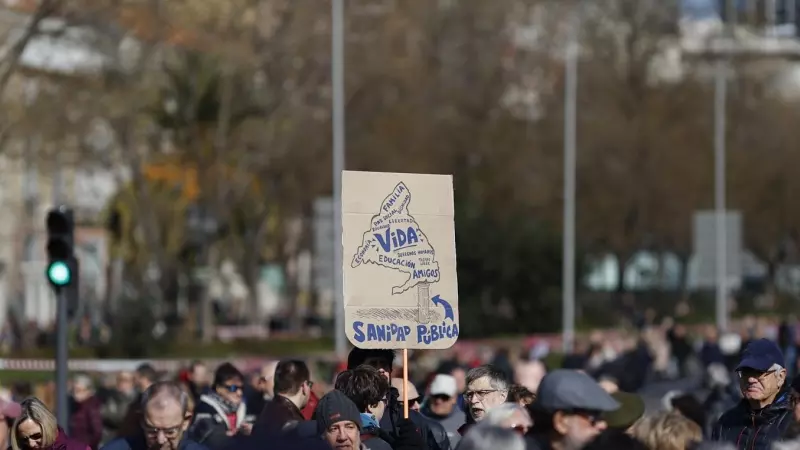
400 283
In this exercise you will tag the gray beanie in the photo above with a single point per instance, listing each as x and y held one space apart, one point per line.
335 407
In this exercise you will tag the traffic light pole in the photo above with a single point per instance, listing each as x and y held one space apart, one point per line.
60 225
62 355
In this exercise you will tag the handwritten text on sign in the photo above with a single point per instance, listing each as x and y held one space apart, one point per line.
399 265
427 334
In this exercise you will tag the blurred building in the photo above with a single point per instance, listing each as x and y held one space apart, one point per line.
33 176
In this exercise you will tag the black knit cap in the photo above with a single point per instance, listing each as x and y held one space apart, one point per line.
335 407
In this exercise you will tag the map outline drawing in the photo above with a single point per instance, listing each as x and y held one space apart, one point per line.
393 250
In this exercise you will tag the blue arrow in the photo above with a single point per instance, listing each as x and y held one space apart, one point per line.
448 310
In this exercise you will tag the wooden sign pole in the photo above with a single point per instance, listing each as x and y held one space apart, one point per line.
405 383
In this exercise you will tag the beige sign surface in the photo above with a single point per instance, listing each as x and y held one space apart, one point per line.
400 283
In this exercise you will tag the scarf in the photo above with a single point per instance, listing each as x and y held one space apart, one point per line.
369 422
228 407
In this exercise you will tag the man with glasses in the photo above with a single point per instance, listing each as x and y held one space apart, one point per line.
765 412
164 420
293 387
487 387
221 413
442 406
568 411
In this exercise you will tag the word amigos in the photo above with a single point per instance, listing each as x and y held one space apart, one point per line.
426 334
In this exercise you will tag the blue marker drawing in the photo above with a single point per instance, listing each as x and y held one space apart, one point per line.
448 310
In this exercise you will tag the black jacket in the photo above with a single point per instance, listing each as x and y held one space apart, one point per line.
210 426
276 416
138 442
749 429
435 435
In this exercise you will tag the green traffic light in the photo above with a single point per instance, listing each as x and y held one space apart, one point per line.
58 273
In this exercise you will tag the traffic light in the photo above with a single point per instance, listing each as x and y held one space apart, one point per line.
60 247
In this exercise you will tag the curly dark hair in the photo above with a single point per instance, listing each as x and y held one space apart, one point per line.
364 385
520 394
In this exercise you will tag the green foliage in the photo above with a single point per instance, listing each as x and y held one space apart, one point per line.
132 332
509 273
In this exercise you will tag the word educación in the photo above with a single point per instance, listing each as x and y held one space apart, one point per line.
426 334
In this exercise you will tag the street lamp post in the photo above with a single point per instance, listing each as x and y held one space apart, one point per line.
720 125
337 81
570 159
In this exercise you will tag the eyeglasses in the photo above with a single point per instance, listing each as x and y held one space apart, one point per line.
442 397
746 374
232 388
480 394
169 433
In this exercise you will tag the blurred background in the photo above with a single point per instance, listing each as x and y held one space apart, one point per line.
193 140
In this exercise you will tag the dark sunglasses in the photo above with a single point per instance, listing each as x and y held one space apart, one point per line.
442 397
413 402
33 437
232 388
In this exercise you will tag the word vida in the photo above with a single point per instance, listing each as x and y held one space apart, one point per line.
426 334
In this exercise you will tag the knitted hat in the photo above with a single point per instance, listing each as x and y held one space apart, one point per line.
335 407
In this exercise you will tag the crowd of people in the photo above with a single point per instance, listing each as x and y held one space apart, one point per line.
749 401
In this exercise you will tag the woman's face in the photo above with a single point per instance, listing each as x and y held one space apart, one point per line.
29 434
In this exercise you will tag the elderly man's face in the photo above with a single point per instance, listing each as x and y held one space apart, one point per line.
481 396
343 435
163 426
759 386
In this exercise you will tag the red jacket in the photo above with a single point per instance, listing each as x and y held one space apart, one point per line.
308 411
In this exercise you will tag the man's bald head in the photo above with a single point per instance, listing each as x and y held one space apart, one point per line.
165 395
165 415
413 395
397 383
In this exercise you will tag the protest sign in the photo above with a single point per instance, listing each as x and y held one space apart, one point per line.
400 283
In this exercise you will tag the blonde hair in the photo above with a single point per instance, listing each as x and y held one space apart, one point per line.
667 431
34 410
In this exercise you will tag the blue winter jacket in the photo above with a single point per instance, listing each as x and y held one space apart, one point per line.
750 429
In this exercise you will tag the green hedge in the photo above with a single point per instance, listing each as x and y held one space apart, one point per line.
249 347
